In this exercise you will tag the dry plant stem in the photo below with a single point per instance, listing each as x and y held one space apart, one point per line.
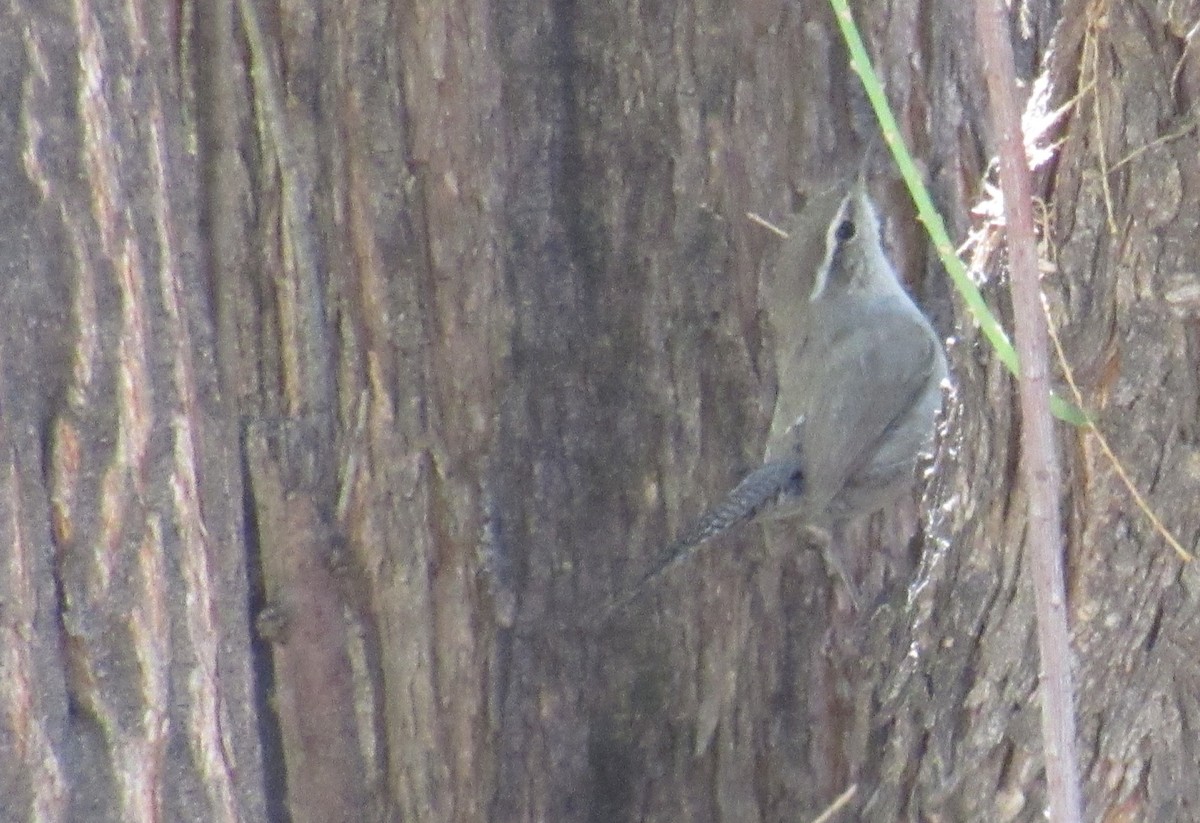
837 805
1039 461
1143 506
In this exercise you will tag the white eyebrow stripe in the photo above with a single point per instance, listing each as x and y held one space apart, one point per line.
830 245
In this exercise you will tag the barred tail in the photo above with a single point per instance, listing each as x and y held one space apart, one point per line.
757 489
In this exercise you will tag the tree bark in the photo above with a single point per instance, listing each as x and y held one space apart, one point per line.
127 680
957 727
359 353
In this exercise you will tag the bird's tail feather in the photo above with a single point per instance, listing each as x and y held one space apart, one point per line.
757 490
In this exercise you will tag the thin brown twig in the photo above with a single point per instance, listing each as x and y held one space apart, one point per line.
1091 39
1050 256
837 805
1166 138
766 224
1138 500
1039 464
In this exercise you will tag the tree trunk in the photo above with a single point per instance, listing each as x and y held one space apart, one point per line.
956 718
359 353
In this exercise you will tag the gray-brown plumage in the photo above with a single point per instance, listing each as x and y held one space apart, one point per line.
859 370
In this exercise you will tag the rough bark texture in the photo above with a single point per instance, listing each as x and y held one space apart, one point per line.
957 717
357 353
126 685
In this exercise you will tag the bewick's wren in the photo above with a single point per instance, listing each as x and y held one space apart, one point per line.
859 370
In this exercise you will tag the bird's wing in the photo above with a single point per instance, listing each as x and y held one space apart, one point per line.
874 374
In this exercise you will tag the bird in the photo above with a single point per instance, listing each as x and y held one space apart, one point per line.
860 372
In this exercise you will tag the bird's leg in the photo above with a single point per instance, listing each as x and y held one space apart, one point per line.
832 544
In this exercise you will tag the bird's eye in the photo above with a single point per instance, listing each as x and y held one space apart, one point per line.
845 231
